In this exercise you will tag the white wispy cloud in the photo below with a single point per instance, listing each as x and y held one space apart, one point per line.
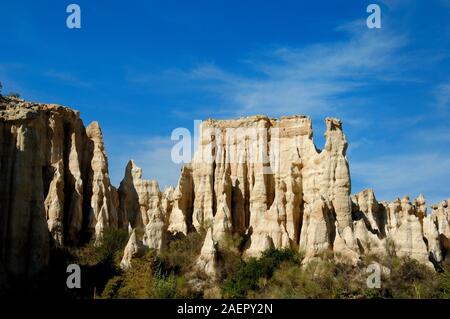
332 78
67 78
308 80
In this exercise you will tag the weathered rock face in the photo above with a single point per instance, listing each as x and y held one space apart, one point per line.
264 179
399 226
284 192
53 180
104 197
146 209
180 216
208 260
259 178
438 231
287 193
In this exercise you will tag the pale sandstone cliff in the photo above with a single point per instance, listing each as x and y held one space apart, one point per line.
54 184
299 197
295 196
259 178
146 209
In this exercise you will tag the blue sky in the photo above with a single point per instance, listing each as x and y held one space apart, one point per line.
143 69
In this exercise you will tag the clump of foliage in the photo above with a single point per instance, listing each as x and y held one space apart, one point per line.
160 275
14 95
134 283
180 254
444 283
100 262
11 94
326 278
410 279
108 251
318 279
248 273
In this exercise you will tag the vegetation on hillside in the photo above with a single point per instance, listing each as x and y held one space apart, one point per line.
277 274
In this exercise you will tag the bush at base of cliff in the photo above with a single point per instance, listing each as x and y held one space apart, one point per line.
249 273
109 250
329 279
277 274
318 279
99 263
158 276
142 282
180 255
444 283
134 283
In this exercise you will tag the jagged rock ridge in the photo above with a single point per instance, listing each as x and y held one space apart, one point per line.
53 180
255 177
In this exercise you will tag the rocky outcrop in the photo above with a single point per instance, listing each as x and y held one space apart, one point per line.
399 227
54 184
438 231
257 178
207 262
282 185
265 180
133 249
287 193
180 216
104 197
146 209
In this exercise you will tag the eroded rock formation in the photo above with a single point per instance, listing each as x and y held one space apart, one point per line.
284 191
146 209
54 184
398 227
287 193
257 178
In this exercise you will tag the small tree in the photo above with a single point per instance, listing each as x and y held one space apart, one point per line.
14 94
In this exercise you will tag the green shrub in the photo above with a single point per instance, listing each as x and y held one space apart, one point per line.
14 94
109 250
325 278
318 279
248 273
135 282
164 287
154 275
410 279
100 262
112 245
229 260
444 283
276 274
180 255
112 287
